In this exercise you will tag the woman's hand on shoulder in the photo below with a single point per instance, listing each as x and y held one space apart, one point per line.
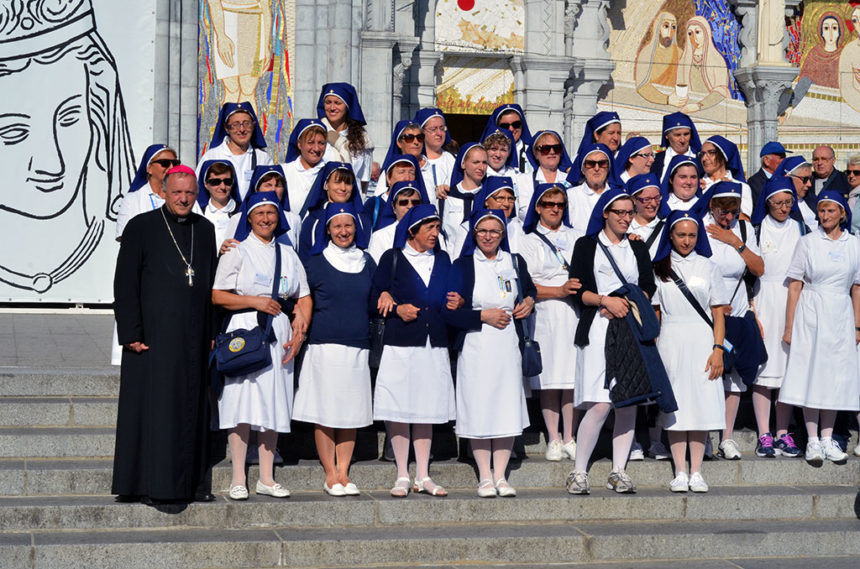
496 317
267 304
523 309
227 245
407 312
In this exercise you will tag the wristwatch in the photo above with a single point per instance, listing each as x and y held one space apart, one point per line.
742 248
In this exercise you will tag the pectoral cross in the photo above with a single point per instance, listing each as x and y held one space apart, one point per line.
189 272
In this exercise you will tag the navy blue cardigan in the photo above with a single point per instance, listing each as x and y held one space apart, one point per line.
407 288
461 280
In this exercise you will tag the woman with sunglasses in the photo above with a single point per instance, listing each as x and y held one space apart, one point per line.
721 162
547 248
635 157
823 306
591 175
779 226
438 148
498 294
146 192
735 251
799 169
218 196
407 139
455 210
680 186
402 197
852 172
498 193
550 162
339 110
304 158
510 117
590 265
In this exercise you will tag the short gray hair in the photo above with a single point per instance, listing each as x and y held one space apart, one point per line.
854 159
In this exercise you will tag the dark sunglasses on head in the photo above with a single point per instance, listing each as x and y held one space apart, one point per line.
219 181
166 162
407 201
411 137
596 164
510 125
547 148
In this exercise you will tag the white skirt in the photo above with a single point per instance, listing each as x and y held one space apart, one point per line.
334 387
414 385
555 322
591 366
770 308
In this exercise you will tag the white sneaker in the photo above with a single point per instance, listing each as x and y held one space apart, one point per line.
814 452
553 451
697 483
857 450
636 452
681 483
568 449
832 451
729 450
658 451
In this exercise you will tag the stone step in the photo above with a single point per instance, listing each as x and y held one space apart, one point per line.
57 411
44 477
378 509
844 562
50 442
36 382
542 543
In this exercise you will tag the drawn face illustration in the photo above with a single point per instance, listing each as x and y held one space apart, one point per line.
830 33
667 32
41 180
855 21
696 35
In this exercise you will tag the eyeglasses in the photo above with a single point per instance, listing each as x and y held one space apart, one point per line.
545 149
720 212
643 201
804 179
596 164
707 153
243 124
510 125
215 182
405 201
552 205
503 199
411 137
489 232
622 212
435 129
853 172
784 203
645 155
166 162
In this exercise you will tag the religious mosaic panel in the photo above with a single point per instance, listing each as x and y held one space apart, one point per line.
244 54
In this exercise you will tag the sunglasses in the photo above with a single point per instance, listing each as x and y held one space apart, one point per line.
166 162
407 201
510 125
545 149
219 181
806 179
411 137
596 164
552 205
720 212
853 172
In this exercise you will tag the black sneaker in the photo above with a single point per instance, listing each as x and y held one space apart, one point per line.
764 447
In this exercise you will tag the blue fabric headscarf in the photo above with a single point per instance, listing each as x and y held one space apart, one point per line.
412 218
393 149
457 172
836 197
323 238
141 178
424 115
680 120
676 162
732 156
532 218
632 146
293 151
703 246
575 176
790 164
641 181
775 185
564 162
493 122
513 161
492 185
386 216
317 196
719 190
595 123
469 245
261 171
596 221
243 230
257 140
203 192
346 93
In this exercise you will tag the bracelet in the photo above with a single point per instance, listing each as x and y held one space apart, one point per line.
720 346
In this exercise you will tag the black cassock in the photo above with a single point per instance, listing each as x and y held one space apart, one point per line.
162 421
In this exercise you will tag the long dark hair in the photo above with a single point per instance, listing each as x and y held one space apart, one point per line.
354 136
662 268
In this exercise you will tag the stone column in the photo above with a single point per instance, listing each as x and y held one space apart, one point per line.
425 71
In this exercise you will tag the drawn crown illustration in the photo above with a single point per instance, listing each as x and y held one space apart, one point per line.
28 27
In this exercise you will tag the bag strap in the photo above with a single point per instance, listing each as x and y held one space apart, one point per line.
554 250
611 261
376 206
654 234
517 277
690 298
743 227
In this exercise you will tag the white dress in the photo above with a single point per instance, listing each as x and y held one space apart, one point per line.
555 319
686 342
591 359
242 163
334 382
645 232
436 172
263 399
580 203
454 226
515 234
135 203
778 242
677 204
526 187
414 383
381 241
732 266
491 402
220 218
822 370
292 233
299 181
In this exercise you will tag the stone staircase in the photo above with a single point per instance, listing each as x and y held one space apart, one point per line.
56 440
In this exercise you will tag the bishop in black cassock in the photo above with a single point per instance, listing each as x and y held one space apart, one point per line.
162 304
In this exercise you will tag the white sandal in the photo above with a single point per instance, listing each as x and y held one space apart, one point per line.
421 487
401 487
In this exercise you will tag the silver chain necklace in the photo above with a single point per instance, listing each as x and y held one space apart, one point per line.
189 272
